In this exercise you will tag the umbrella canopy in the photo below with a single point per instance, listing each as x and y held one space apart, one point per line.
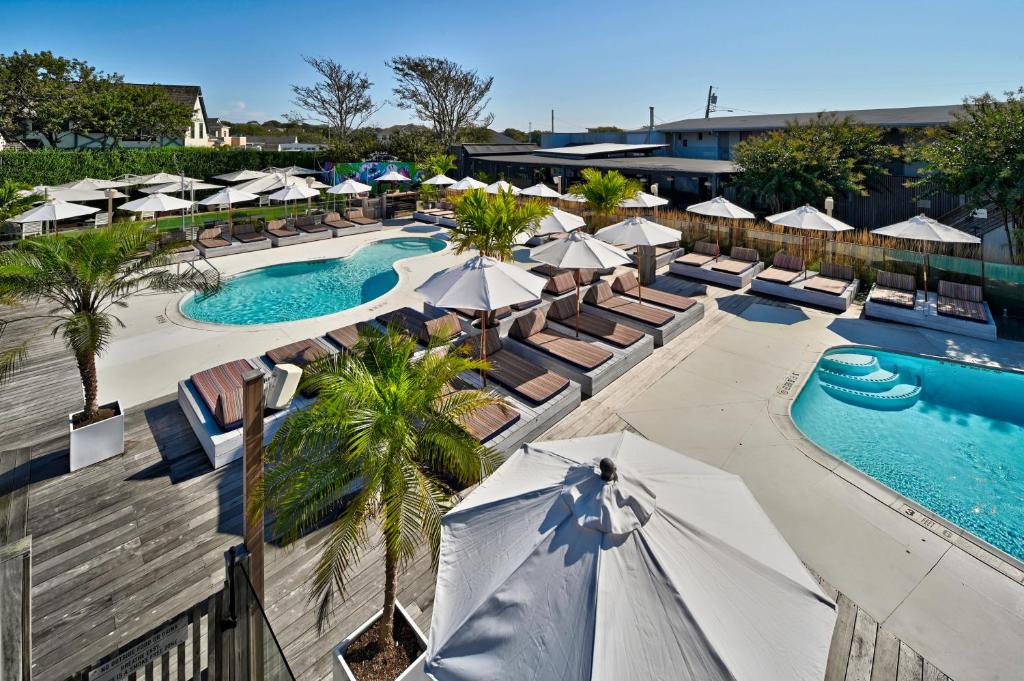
75 194
294 192
179 186
575 198
350 187
241 175
481 283
809 218
580 251
316 184
54 210
468 183
228 195
923 228
270 183
542 190
92 184
502 186
441 180
638 231
611 557
291 170
392 176
643 200
559 221
156 178
720 207
156 203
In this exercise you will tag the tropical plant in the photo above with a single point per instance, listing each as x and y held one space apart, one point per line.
14 199
981 155
490 223
387 429
604 192
438 164
85 277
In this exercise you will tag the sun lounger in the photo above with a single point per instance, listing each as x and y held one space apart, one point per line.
311 230
833 288
500 313
524 378
602 328
281 235
627 285
212 242
355 216
220 389
587 277
560 284
739 261
736 271
602 297
443 325
785 269
962 301
533 330
346 337
300 353
488 421
893 288
246 233
703 253
177 246
833 279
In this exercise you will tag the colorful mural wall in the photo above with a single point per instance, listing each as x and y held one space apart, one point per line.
367 172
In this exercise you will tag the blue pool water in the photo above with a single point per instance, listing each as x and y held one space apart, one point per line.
284 293
946 435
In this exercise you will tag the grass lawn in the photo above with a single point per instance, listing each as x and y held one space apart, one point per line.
269 212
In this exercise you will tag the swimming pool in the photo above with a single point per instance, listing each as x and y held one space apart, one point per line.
948 435
300 290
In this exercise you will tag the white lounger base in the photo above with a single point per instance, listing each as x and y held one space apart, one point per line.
357 229
224 447
306 237
235 247
926 316
420 216
705 273
797 293
660 334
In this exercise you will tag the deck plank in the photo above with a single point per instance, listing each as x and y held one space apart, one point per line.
910 667
887 656
842 640
862 648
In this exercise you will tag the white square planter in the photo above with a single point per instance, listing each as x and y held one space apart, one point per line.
413 673
97 441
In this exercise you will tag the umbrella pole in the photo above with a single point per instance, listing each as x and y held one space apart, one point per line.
483 345
231 223
577 303
925 254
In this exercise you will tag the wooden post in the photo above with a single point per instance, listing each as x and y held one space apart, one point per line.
646 264
252 473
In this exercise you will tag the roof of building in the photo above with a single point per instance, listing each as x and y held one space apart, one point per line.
271 139
600 149
515 148
214 123
642 164
907 117
182 94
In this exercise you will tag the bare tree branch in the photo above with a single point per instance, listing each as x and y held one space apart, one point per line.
341 100
442 92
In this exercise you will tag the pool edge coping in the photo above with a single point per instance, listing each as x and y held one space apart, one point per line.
992 556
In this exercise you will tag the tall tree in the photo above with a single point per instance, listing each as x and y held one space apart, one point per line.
981 155
438 90
490 223
341 99
604 192
116 111
387 428
40 92
804 163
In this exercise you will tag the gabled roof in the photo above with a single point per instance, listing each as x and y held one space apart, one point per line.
182 94
906 117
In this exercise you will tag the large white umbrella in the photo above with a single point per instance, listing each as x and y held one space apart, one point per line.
92 184
638 231
179 186
294 192
53 210
810 219
441 180
270 183
392 176
74 195
559 221
643 200
502 186
158 203
292 170
350 186
580 251
228 195
542 190
156 178
481 283
611 557
468 183
720 207
575 198
241 175
923 228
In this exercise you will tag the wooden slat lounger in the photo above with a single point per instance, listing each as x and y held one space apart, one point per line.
308 224
602 328
279 229
627 285
561 283
220 389
487 421
587 277
785 269
500 313
445 326
355 216
703 252
212 238
346 337
601 296
247 234
334 220
739 261
524 378
300 353
962 301
532 329
833 279
893 288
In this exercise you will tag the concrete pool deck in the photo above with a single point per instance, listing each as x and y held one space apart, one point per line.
722 395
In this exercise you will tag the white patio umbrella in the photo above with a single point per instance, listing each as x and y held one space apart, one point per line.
349 188
481 283
294 192
241 175
720 207
156 178
502 186
53 210
157 203
638 231
92 184
542 190
810 219
923 228
75 195
229 196
179 186
292 170
611 557
643 200
575 198
441 180
270 183
392 176
580 251
468 183
559 221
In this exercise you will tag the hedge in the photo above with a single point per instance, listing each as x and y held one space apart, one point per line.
56 166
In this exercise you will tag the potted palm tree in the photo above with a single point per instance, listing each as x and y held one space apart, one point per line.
382 447
604 192
80 279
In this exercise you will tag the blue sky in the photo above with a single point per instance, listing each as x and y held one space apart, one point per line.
595 63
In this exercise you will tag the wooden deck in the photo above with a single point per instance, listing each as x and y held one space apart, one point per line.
122 546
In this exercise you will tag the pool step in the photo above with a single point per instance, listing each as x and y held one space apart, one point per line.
850 363
900 396
877 381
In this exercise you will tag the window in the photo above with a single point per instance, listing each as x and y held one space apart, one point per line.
700 136
686 142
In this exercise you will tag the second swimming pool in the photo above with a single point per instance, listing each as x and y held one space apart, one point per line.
300 290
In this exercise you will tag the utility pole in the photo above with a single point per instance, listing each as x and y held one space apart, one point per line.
552 120
650 127
707 107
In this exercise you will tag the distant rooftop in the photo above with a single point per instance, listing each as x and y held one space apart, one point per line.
907 117
602 149
515 148
644 164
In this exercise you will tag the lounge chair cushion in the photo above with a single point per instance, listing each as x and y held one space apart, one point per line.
334 220
695 259
489 420
607 330
965 292
528 324
891 296
531 329
445 326
601 295
220 389
731 266
777 275
626 284
560 283
527 380
500 313
707 248
895 280
299 353
214 243
835 271
347 337
748 254
250 237
355 215
835 287
962 309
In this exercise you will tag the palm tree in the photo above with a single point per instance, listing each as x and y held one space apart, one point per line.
490 223
438 164
604 192
387 426
85 277
14 200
